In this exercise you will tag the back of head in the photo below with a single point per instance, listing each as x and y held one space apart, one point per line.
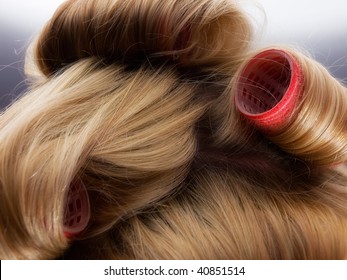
134 100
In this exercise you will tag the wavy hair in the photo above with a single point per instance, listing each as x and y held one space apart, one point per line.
136 100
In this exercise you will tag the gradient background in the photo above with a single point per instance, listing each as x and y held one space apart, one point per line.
319 27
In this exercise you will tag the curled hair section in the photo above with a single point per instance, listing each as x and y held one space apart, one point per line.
295 102
149 132
128 136
186 33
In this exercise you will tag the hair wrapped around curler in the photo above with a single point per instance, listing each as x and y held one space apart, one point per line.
128 145
195 33
128 137
97 112
296 103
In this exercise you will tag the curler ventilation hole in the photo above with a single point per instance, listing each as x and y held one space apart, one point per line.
268 87
77 209
265 85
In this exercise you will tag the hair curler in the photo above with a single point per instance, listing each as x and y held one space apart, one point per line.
296 103
77 209
268 89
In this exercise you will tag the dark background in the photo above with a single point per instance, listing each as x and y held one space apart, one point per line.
316 27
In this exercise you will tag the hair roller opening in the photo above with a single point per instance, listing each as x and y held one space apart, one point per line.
269 88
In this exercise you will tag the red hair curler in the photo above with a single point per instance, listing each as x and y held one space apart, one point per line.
268 89
77 209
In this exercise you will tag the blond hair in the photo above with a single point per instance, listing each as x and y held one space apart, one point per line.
315 126
134 99
188 33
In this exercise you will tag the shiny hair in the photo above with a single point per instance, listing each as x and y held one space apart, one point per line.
136 99
295 102
186 33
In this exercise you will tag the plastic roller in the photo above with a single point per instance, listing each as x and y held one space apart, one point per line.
268 89
77 209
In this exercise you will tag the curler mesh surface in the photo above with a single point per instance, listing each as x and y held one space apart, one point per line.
268 89
77 209
264 84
